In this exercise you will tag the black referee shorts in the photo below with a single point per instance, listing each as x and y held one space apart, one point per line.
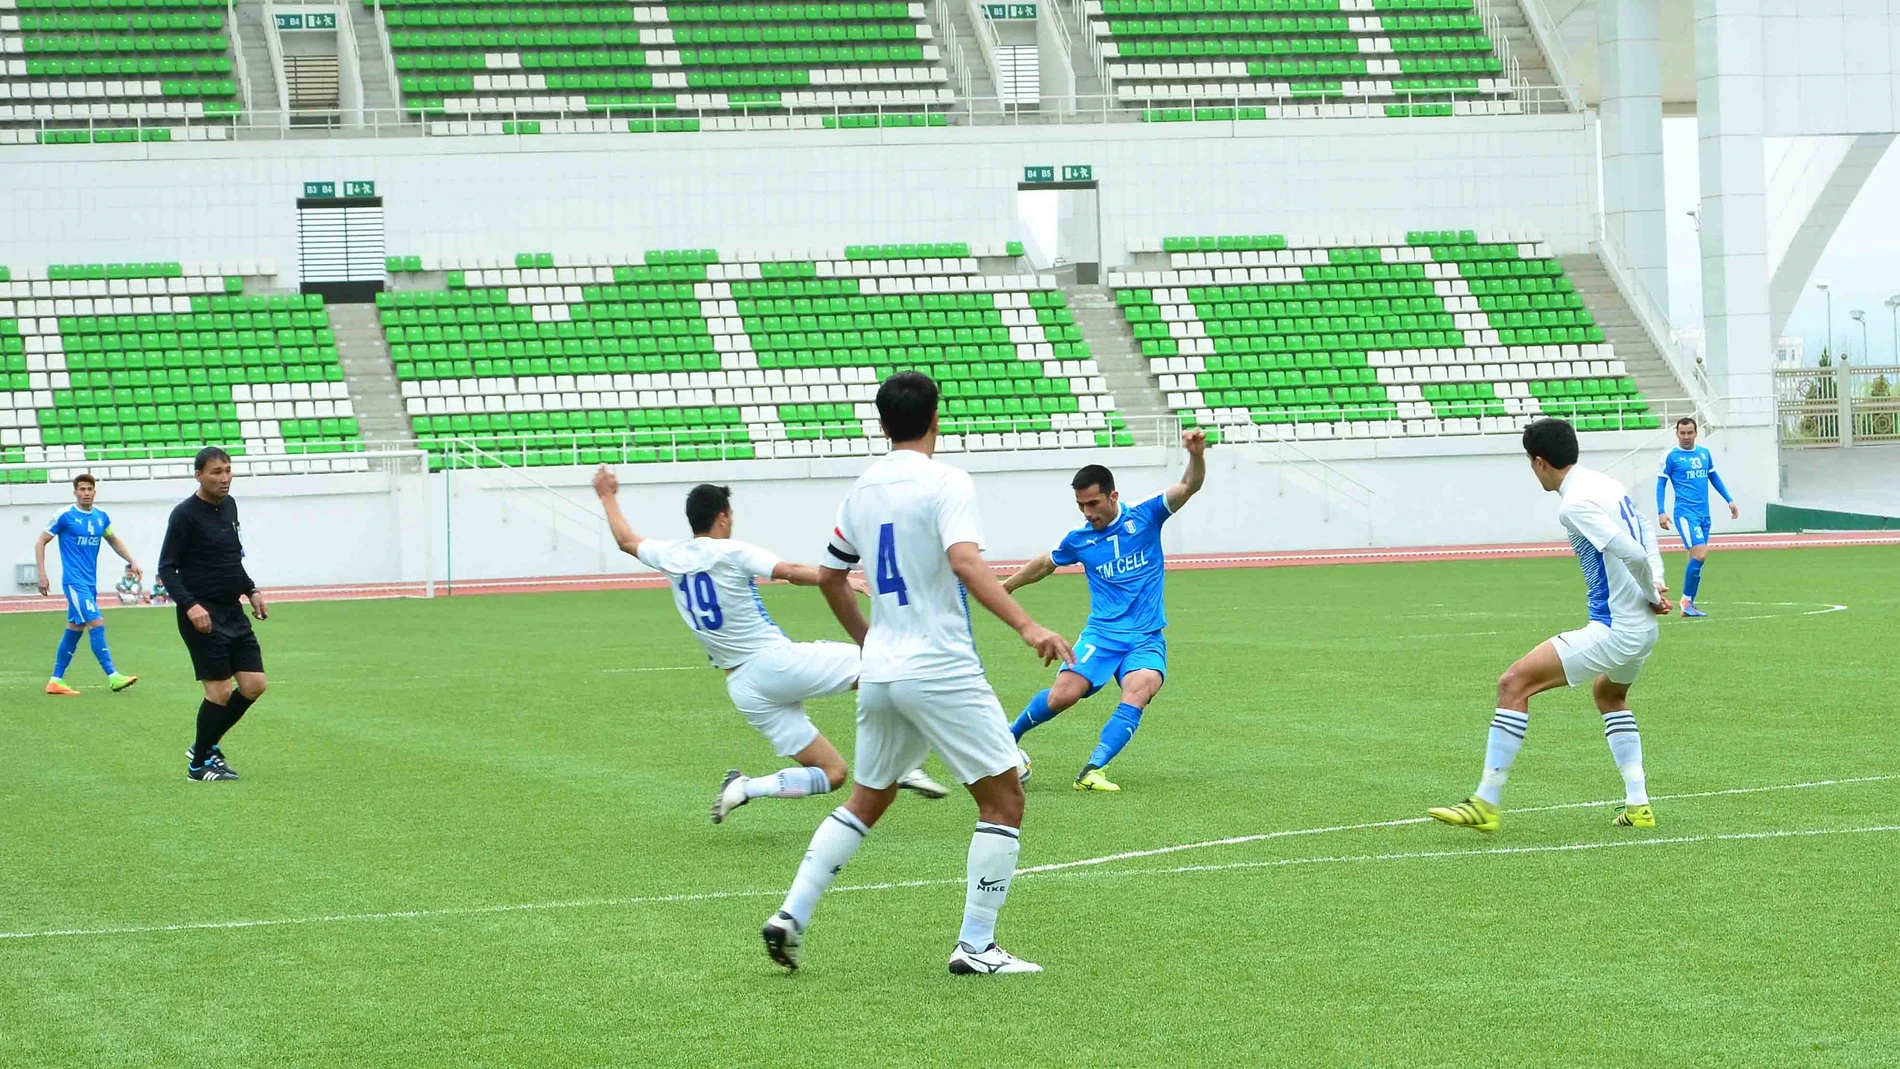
230 648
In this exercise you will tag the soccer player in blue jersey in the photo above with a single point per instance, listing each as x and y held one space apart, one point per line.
1691 470
79 530
1120 548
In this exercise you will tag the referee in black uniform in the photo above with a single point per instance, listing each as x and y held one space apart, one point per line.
202 566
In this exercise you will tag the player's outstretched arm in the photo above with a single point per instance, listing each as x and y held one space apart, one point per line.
39 559
1034 572
1195 440
968 564
126 554
607 488
808 575
837 588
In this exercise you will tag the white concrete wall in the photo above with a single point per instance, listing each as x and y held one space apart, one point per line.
314 530
604 194
1830 67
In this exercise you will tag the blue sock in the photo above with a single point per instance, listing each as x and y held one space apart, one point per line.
68 645
1115 734
1036 712
99 650
1692 579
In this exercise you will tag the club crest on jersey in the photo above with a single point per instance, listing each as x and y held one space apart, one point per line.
1129 526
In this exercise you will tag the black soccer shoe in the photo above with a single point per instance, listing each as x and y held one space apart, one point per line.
216 760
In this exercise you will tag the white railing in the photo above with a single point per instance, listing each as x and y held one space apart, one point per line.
276 49
346 37
1655 323
237 52
988 43
1052 34
1551 43
1082 109
950 47
389 55
1333 487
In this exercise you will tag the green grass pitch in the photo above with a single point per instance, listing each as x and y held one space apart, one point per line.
482 824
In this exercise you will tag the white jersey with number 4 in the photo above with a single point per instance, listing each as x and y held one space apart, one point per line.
897 522
715 591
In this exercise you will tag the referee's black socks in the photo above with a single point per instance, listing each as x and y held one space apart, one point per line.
214 720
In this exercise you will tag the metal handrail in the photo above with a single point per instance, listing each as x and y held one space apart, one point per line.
237 51
1655 323
951 48
988 43
1059 30
276 49
389 55
1550 43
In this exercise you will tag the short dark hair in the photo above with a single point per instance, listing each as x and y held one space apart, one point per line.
1555 440
207 455
1690 420
85 477
906 403
704 505
1094 475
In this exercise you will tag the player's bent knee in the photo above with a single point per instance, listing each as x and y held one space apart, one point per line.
253 689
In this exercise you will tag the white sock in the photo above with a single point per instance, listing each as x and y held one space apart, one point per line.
1626 748
831 846
993 850
1500 749
795 782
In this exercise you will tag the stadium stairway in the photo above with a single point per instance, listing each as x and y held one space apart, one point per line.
378 94
260 73
1654 379
1521 45
364 355
982 86
1119 356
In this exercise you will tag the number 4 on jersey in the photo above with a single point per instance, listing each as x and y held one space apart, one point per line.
888 581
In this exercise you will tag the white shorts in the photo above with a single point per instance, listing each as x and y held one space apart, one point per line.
901 723
772 688
1597 649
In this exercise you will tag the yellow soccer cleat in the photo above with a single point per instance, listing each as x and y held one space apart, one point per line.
59 687
1474 813
1092 779
1635 816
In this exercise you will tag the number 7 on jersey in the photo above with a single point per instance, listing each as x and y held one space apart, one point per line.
888 580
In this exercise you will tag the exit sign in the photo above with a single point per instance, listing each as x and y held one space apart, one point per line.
1010 11
319 189
359 189
1039 174
312 21
1078 172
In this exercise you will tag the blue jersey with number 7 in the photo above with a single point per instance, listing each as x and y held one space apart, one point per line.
1125 567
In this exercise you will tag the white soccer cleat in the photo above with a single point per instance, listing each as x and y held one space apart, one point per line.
1022 758
968 961
915 780
783 938
731 795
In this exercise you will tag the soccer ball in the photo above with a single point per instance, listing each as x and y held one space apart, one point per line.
1022 757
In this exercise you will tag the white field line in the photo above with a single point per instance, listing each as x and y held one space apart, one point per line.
656 668
1059 869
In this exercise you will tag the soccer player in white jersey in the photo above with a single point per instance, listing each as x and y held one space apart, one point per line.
1623 582
913 522
769 677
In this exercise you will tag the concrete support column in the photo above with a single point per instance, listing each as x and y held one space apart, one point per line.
1734 216
1629 62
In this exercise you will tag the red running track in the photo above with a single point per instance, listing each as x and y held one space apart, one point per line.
1284 559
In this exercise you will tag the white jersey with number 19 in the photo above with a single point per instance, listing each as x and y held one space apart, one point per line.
714 590
899 520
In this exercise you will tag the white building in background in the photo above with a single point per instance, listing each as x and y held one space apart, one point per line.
1790 351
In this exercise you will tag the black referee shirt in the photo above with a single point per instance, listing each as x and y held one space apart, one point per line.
203 559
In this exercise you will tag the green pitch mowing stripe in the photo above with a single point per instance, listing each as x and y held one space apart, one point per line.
456 768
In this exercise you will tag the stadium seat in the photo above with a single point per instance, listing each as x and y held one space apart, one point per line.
1423 334
1227 60
153 360
701 355
594 66
128 71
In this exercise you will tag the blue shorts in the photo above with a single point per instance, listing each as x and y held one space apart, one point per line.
1693 530
82 605
1100 658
